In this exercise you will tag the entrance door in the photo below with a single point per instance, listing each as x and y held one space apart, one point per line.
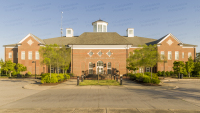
100 66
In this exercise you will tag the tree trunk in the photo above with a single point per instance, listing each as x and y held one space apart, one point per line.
10 74
63 71
179 75
6 73
189 74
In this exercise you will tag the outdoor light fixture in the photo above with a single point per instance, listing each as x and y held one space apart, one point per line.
35 67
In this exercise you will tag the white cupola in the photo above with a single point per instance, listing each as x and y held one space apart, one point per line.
100 26
130 32
69 32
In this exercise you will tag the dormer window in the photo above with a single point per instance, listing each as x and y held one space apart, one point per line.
130 31
104 28
100 28
68 31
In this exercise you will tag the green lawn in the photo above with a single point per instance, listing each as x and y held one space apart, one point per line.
101 82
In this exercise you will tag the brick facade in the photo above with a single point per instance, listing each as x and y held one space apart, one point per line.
80 58
24 46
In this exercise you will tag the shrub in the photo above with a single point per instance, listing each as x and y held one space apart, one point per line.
47 79
155 81
171 73
146 79
167 73
159 73
162 73
153 74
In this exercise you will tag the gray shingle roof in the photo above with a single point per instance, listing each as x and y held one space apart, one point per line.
136 41
59 40
100 38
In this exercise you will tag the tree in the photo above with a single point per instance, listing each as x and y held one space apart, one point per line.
48 54
20 68
9 66
1 65
189 65
152 56
65 54
198 57
179 67
145 57
197 67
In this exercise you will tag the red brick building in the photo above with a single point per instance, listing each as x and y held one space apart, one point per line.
98 48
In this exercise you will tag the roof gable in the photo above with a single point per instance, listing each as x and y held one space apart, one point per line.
36 38
165 37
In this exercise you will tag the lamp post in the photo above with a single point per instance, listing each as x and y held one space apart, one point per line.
35 67
164 68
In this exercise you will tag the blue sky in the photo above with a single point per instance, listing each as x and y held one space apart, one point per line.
149 18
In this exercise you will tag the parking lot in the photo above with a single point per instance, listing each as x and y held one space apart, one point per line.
68 96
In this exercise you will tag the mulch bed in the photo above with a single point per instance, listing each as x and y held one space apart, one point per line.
147 84
51 84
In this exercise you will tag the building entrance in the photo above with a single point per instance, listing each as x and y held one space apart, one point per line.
100 66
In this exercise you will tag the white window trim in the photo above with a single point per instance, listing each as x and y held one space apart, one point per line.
148 68
22 55
10 55
162 55
183 55
90 67
189 54
37 53
30 55
170 55
177 54
109 68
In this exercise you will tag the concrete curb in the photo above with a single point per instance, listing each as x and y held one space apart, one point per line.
180 80
36 87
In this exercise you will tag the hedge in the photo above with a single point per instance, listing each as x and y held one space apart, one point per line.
146 78
55 78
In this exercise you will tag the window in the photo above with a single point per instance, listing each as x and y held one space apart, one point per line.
109 68
141 70
162 55
183 55
52 70
90 68
95 28
99 63
109 53
30 55
169 55
189 54
90 53
10 55
130 31
147 69
176 55
37 56
23 55
104 28
99 53
99 28
68 31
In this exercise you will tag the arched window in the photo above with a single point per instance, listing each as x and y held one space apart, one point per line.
109 67
90 68
100 63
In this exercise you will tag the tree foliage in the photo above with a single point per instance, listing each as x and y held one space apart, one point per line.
179 67
56 56
145 57
189 65
9 66
20 68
